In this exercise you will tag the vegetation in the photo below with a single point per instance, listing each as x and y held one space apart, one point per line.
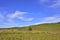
34 32
30 28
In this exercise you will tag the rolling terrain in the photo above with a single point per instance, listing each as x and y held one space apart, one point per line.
47 31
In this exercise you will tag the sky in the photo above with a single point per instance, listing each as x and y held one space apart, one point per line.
18 13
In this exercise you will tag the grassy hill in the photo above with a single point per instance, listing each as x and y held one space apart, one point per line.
39 27
39 32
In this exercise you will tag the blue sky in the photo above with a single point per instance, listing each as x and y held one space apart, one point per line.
28 12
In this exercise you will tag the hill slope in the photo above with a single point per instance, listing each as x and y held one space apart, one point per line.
39 27
39 32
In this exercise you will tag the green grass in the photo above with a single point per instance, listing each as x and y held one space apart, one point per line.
39 32
29 36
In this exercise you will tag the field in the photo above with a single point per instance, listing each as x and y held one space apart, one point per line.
39 32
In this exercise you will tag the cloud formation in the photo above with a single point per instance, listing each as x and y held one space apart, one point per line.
20 15
51 19
11 20
56 5
51 3
16 14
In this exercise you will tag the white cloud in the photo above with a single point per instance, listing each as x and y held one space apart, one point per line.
20 15
41 23
16 14
56 5
52 19
51 3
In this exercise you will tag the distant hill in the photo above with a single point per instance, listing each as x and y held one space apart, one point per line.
46 31
39 27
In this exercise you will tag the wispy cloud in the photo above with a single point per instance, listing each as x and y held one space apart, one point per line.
51 3
20 15
56 5
16 14
11 20
51 19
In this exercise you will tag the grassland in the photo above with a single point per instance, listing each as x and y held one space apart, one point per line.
39 32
